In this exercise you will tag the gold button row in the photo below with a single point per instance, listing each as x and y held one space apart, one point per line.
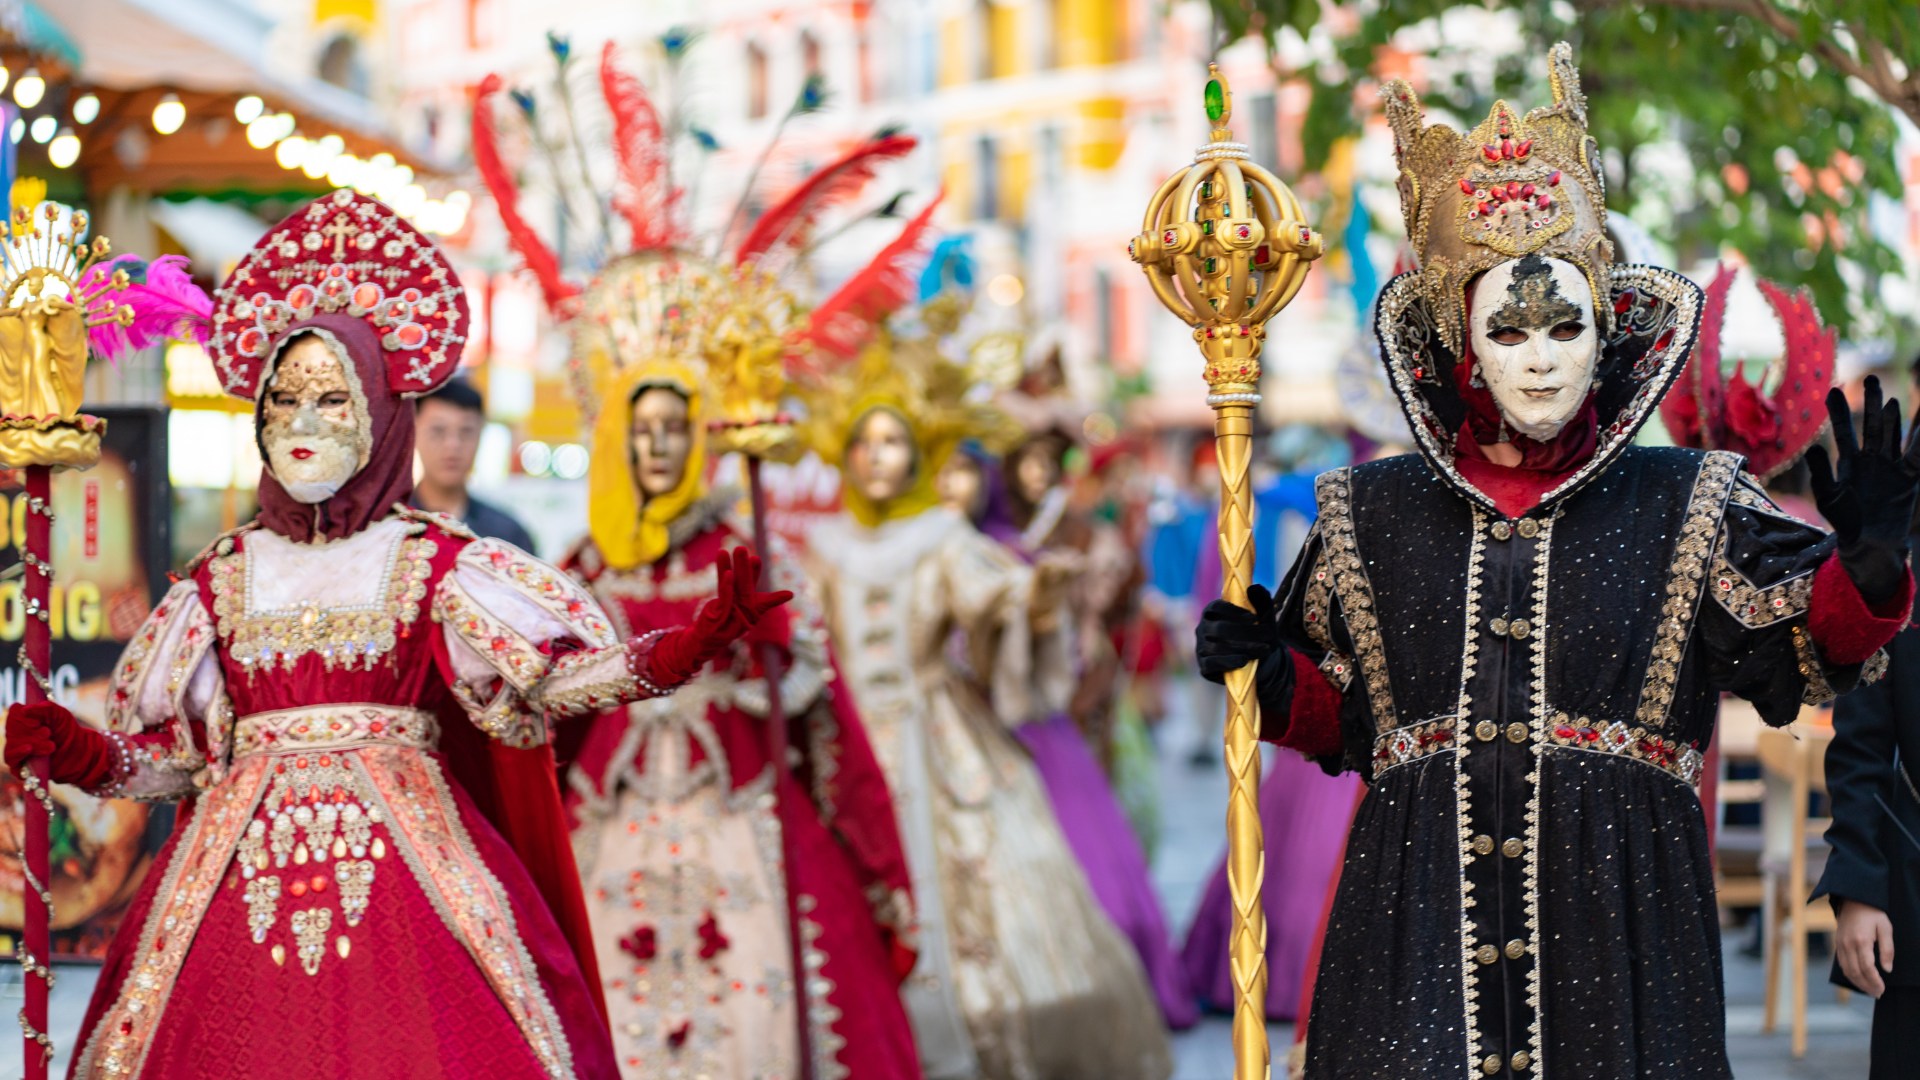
1519 1062
1487 954
1513 848
1528 528
1487 731
1518 629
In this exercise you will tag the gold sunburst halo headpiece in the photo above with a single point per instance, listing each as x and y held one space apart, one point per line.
1515 185
55 286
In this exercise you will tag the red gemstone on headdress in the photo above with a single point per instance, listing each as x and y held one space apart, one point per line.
410 335
1513 189
1665 339
1506 148
1543 201
337 270
1492 153
1624 302
1521 151
1466 187
411 296
301 298
252 342
1526 190
366 295
1553 178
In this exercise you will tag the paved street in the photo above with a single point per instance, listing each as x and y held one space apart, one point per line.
1194 802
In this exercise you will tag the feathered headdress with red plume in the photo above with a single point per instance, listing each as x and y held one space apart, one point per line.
1712 410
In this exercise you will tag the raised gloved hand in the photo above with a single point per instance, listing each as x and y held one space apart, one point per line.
1230 637
1869 498
76 754
678 655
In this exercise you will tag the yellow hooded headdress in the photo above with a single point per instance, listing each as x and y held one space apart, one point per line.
943 402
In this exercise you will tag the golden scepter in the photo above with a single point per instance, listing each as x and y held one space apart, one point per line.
1225 248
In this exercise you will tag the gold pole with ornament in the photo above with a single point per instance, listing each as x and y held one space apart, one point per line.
1225 247
50 295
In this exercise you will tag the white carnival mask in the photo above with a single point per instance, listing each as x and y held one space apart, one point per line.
313 422
1534 342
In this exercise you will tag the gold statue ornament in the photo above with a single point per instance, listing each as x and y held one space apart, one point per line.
52 291
1225 248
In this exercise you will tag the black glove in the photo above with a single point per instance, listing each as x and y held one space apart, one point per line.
1869 499
1230 637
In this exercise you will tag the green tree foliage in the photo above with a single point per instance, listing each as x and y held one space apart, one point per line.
1781 108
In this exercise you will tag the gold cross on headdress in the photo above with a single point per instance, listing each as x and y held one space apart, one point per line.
339 230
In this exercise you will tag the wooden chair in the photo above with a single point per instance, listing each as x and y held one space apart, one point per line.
1736 848
1793 770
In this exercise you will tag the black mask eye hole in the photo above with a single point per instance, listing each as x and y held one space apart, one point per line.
1506 335
1568 330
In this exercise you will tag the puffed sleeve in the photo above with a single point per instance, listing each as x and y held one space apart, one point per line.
1771 579
525 645
166 702
990 594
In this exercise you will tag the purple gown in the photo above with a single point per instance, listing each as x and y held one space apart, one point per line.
1304 815
1091 816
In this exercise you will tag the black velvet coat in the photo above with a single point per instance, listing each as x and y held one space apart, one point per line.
1528 889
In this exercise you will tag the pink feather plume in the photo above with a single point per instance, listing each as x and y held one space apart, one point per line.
786 222
845 321
539 258
644 197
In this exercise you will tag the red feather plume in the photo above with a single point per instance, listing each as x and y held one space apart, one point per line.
845 321
506 197
787 220
640 150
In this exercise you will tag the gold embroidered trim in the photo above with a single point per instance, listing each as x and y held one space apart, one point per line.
1748 493
1462 788
546 586
1875 668
1530 867
586 682
825 1040
1683 762
420 812
1755 606
1338 668
1335 495
1819 691
118 1044
1317 607
1412 743
356 635
1687 574
333 727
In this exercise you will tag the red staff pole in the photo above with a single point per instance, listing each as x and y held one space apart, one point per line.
35 658
777 742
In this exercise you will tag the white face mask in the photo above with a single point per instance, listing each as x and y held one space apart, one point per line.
1534 342
314 432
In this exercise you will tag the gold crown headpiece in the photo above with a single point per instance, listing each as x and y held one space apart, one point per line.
944 400
46 257
1515 185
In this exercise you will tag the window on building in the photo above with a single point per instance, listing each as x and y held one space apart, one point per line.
983 39
809 54
756 81
986 203
341 65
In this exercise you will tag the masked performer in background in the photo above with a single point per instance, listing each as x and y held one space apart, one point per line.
1020 975
679 834
353 698
1087 563
1521 634
703 854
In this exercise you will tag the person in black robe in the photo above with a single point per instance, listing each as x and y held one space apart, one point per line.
1520 634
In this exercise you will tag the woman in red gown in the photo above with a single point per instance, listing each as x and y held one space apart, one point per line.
692 839
336 691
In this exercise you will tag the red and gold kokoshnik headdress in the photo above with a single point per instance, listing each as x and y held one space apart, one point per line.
342 254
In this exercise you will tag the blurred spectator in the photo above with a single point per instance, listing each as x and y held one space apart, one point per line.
446 434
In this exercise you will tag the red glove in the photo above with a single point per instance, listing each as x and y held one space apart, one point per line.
678 655
77 754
